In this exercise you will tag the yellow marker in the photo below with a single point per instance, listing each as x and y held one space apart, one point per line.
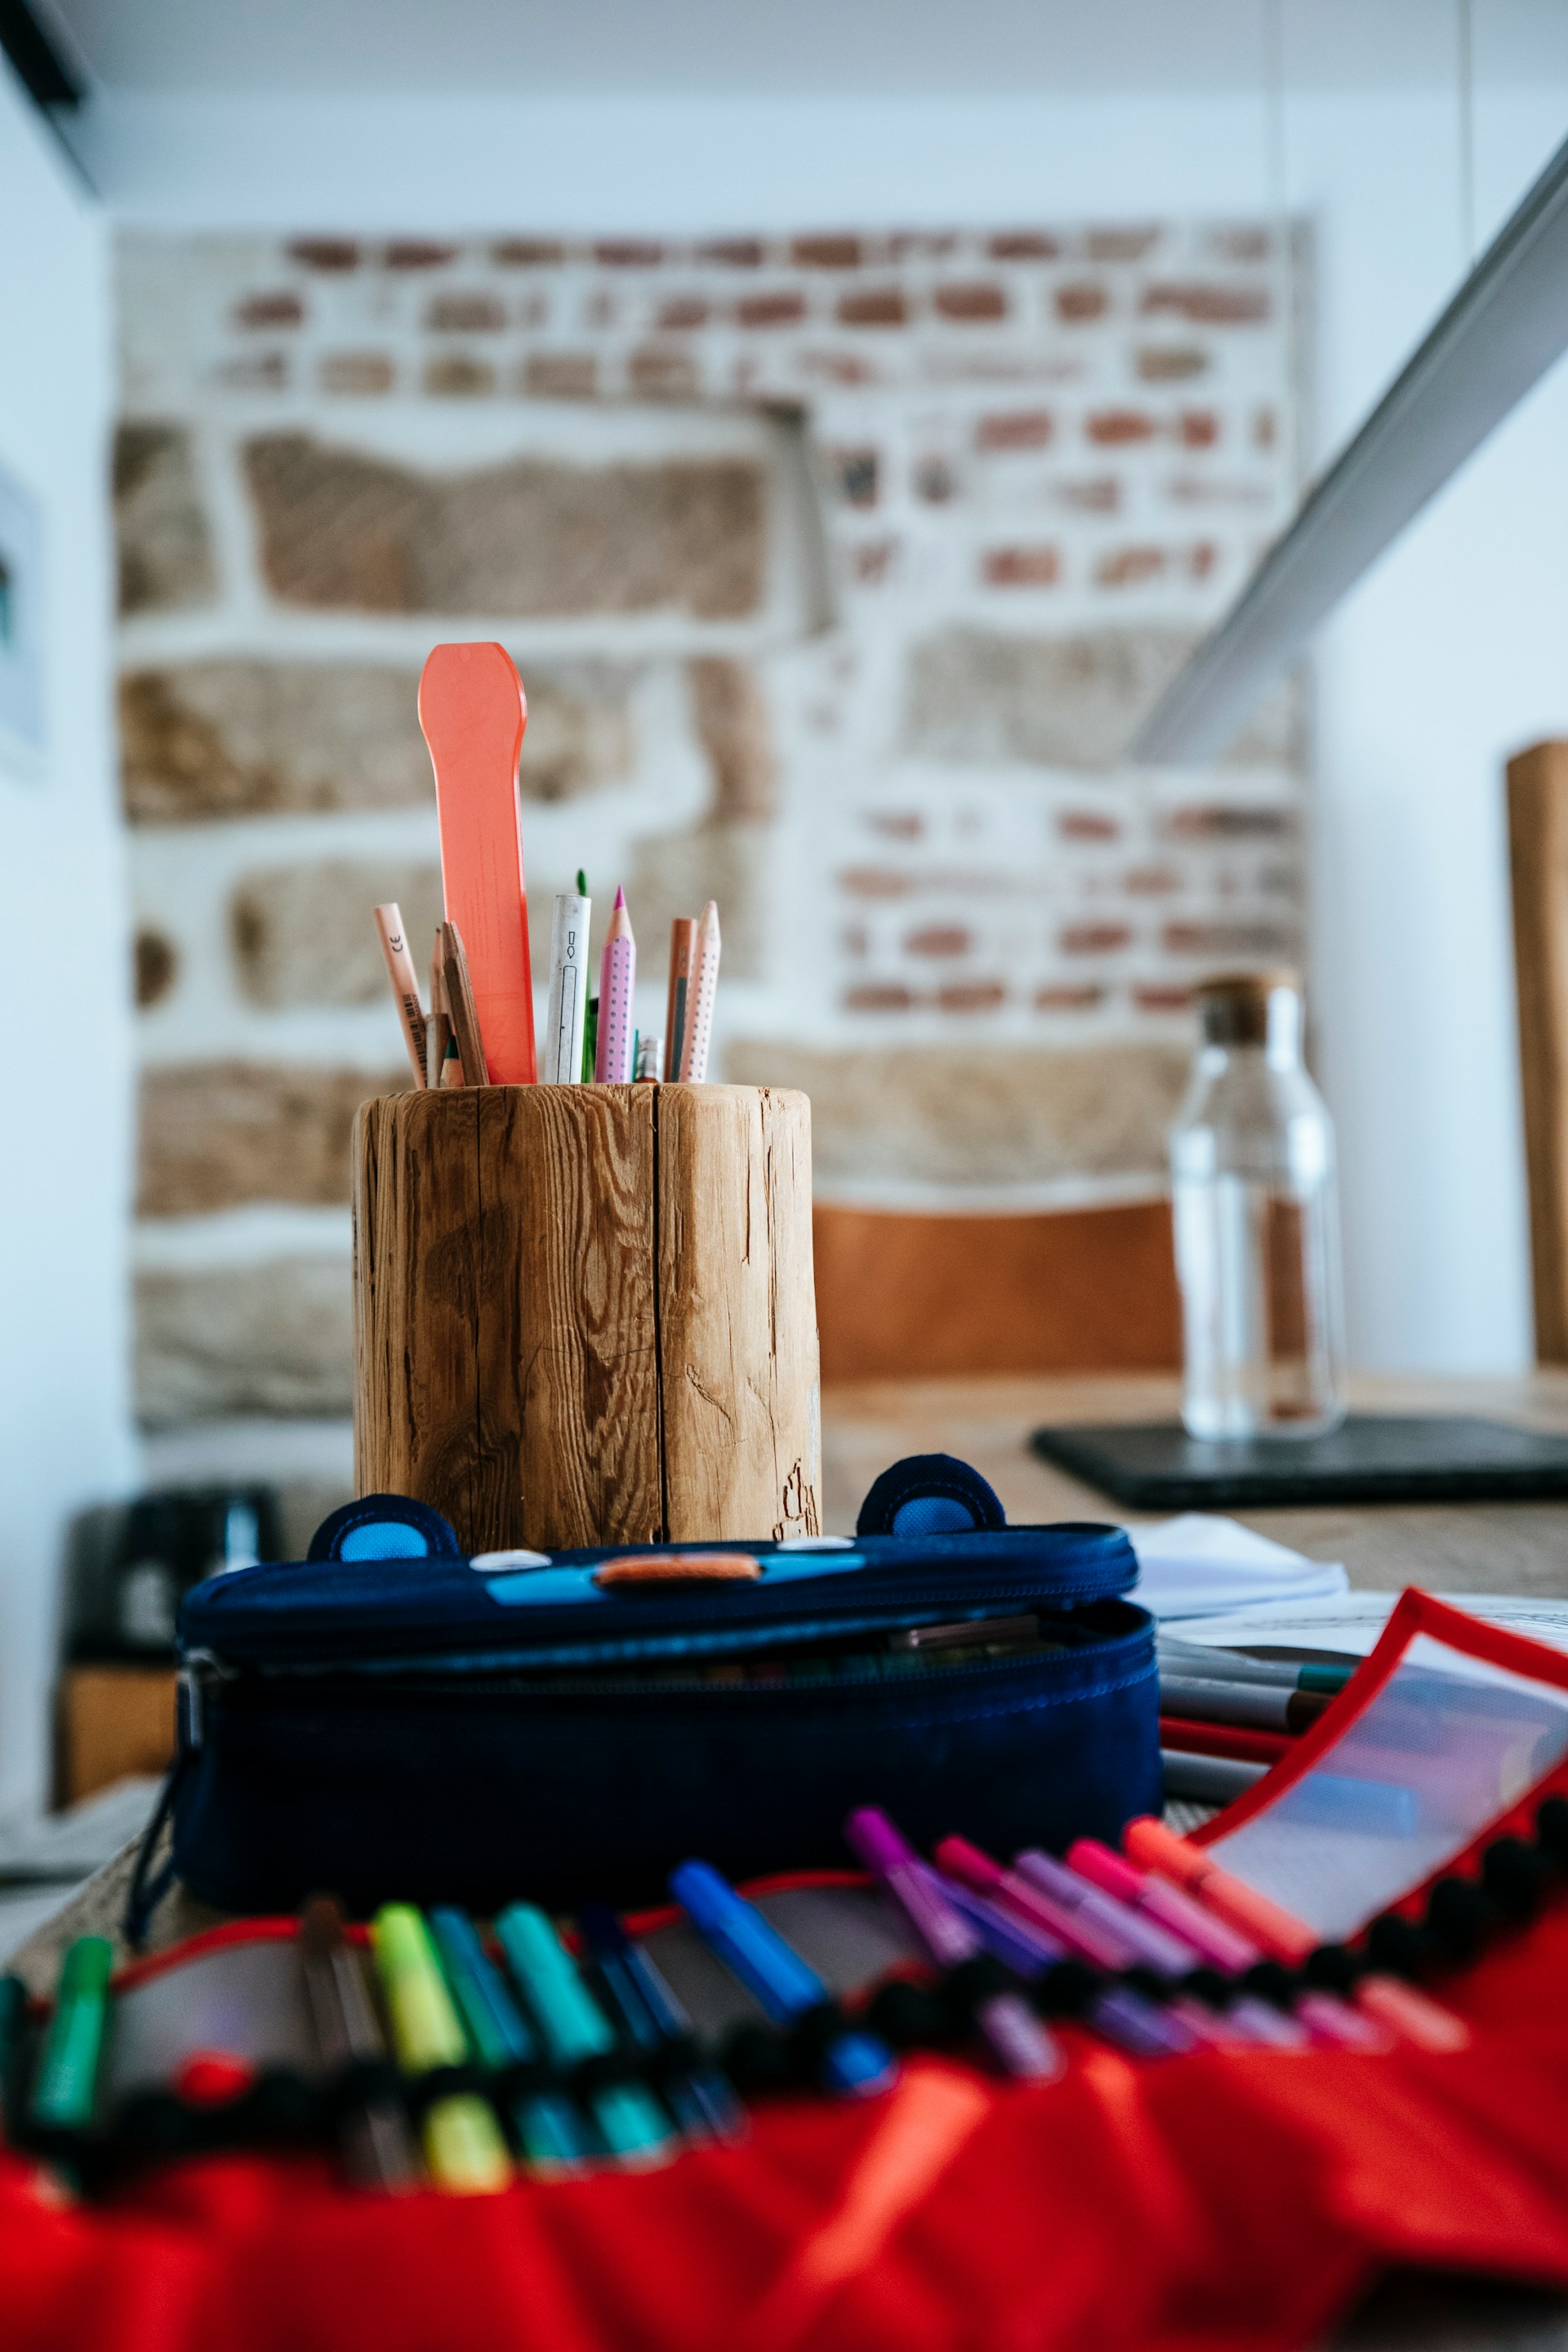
462 2141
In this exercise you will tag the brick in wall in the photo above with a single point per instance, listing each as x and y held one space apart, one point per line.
342 529
219 1135
977 1115
165 551
274 1339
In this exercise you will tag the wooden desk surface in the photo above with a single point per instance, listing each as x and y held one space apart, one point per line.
1447 1546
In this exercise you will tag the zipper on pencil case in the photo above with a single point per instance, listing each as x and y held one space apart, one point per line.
1069 1637
379 1689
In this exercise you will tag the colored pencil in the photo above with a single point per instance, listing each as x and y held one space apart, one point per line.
682 949
461 1007
617 979
405 984
704 989
437 1027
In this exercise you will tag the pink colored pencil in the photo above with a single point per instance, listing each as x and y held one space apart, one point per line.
617 979
704 988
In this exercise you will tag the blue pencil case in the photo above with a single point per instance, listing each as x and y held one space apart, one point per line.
390 1718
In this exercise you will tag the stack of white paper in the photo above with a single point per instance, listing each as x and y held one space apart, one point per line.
1201 1566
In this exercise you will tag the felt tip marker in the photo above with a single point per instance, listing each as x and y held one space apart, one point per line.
1152 1846
631 2124
462 2141
1390 2006
65 2086
856 2062
1016 2036
1123 2018
377 2145
549 2131
698 2095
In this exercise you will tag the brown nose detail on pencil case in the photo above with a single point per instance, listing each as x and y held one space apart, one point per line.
679 1568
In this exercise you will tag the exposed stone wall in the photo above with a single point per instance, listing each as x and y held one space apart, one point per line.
839 571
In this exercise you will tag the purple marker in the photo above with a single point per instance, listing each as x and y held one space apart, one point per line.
1154 1946
1124 2018
1009 2025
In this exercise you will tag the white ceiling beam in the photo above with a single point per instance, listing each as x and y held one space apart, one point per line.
1504 327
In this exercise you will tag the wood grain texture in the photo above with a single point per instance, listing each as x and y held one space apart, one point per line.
737 1313
1076 1290
585 1314
417 1300
1538 849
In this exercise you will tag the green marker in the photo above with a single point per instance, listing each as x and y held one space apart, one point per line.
590 1040
582 884
575 2028
551 2134
66 2084
462 2141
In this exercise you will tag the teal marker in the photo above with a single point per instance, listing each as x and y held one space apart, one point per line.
575 2028
66 2083
548 2129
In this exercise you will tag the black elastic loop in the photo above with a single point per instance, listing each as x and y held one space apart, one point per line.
909 2016
1067 1987
1515 1876
1332 1968
606 2069
1401 1946
1552 1829
1460 1915
966 1986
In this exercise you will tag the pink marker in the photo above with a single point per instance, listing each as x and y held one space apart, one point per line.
1005 2019
617 979
1086 1939
1213 1939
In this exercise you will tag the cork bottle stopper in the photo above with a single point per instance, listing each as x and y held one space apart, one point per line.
1234 1006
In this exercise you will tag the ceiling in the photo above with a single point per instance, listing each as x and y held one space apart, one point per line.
842 47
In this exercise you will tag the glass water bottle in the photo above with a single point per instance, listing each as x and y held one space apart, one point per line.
1257 1219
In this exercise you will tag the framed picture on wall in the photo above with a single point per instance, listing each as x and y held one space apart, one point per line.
21 629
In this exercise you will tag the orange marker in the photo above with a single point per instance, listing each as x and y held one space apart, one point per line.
1394 2004
1153 1846
473 712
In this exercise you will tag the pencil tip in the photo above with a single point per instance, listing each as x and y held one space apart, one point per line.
620 895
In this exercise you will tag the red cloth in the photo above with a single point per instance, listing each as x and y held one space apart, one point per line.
1235 2202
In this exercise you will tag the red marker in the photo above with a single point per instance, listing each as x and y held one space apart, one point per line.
473 712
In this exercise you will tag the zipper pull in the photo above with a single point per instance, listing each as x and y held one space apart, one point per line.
197 1669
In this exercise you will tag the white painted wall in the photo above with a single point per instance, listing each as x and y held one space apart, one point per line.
65 1434
1453 654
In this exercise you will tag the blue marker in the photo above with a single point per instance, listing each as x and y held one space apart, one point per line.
548 2129
776 1975
698 2095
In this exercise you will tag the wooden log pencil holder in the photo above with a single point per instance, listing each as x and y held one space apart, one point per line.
585 1314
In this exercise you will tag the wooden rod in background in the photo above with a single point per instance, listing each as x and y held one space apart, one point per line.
1538 851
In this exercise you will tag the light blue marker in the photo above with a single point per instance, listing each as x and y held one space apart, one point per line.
776 1975
634 2126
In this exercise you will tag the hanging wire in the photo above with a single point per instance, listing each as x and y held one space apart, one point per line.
1465 81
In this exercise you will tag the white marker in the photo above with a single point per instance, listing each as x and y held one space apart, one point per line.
563 1057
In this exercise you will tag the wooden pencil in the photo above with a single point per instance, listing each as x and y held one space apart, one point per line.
460 1007
438 1028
